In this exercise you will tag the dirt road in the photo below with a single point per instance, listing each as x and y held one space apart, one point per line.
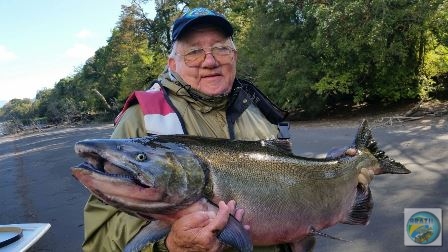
36 185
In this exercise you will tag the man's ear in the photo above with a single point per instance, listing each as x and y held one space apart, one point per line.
172 64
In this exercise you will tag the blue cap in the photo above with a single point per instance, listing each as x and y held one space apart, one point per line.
200 16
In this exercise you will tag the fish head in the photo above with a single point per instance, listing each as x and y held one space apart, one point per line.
141 176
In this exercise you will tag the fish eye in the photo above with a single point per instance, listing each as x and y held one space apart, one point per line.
140 157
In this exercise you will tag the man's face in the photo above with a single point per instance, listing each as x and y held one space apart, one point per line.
210 76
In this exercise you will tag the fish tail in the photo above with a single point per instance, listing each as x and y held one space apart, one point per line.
360 212
364 139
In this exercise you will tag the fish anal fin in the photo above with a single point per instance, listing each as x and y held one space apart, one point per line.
361 209
151 233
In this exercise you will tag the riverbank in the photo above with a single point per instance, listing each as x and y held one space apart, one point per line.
36 184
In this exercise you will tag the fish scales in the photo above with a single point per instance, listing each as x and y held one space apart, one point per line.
285 197
286 183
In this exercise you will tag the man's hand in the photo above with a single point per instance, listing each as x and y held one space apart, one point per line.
365 176
197 231
340 152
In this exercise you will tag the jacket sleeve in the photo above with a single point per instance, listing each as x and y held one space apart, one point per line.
105 227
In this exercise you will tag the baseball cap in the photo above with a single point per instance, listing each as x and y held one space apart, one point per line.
200 16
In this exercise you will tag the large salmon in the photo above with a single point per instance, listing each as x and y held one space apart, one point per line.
286 197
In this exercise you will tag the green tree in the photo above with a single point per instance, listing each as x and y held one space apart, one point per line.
305 55
41 102
142 64
310 55
124 64
17 109
278 53
433 74
158 29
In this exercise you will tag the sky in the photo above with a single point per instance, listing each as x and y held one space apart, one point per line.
44 41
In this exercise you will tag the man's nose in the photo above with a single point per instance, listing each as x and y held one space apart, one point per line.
210 59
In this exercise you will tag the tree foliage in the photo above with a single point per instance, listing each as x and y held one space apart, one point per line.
324 52
17 109
305 55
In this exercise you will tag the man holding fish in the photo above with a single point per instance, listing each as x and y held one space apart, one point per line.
197 94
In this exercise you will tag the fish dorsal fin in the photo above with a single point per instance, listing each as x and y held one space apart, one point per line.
279 144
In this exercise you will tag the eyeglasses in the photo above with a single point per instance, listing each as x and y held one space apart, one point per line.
195 57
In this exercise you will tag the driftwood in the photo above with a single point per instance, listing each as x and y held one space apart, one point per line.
391 120
414 109
422 109
417 112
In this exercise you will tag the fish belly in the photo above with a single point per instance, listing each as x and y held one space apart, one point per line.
285 212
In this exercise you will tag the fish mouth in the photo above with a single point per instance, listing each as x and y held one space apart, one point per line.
103 167
121 188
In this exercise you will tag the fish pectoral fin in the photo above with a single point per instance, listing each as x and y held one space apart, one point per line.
151 233
319 233
236 236
360 212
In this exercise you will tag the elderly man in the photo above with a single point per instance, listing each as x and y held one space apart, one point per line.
197 94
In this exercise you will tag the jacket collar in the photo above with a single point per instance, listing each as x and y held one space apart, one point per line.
198 100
